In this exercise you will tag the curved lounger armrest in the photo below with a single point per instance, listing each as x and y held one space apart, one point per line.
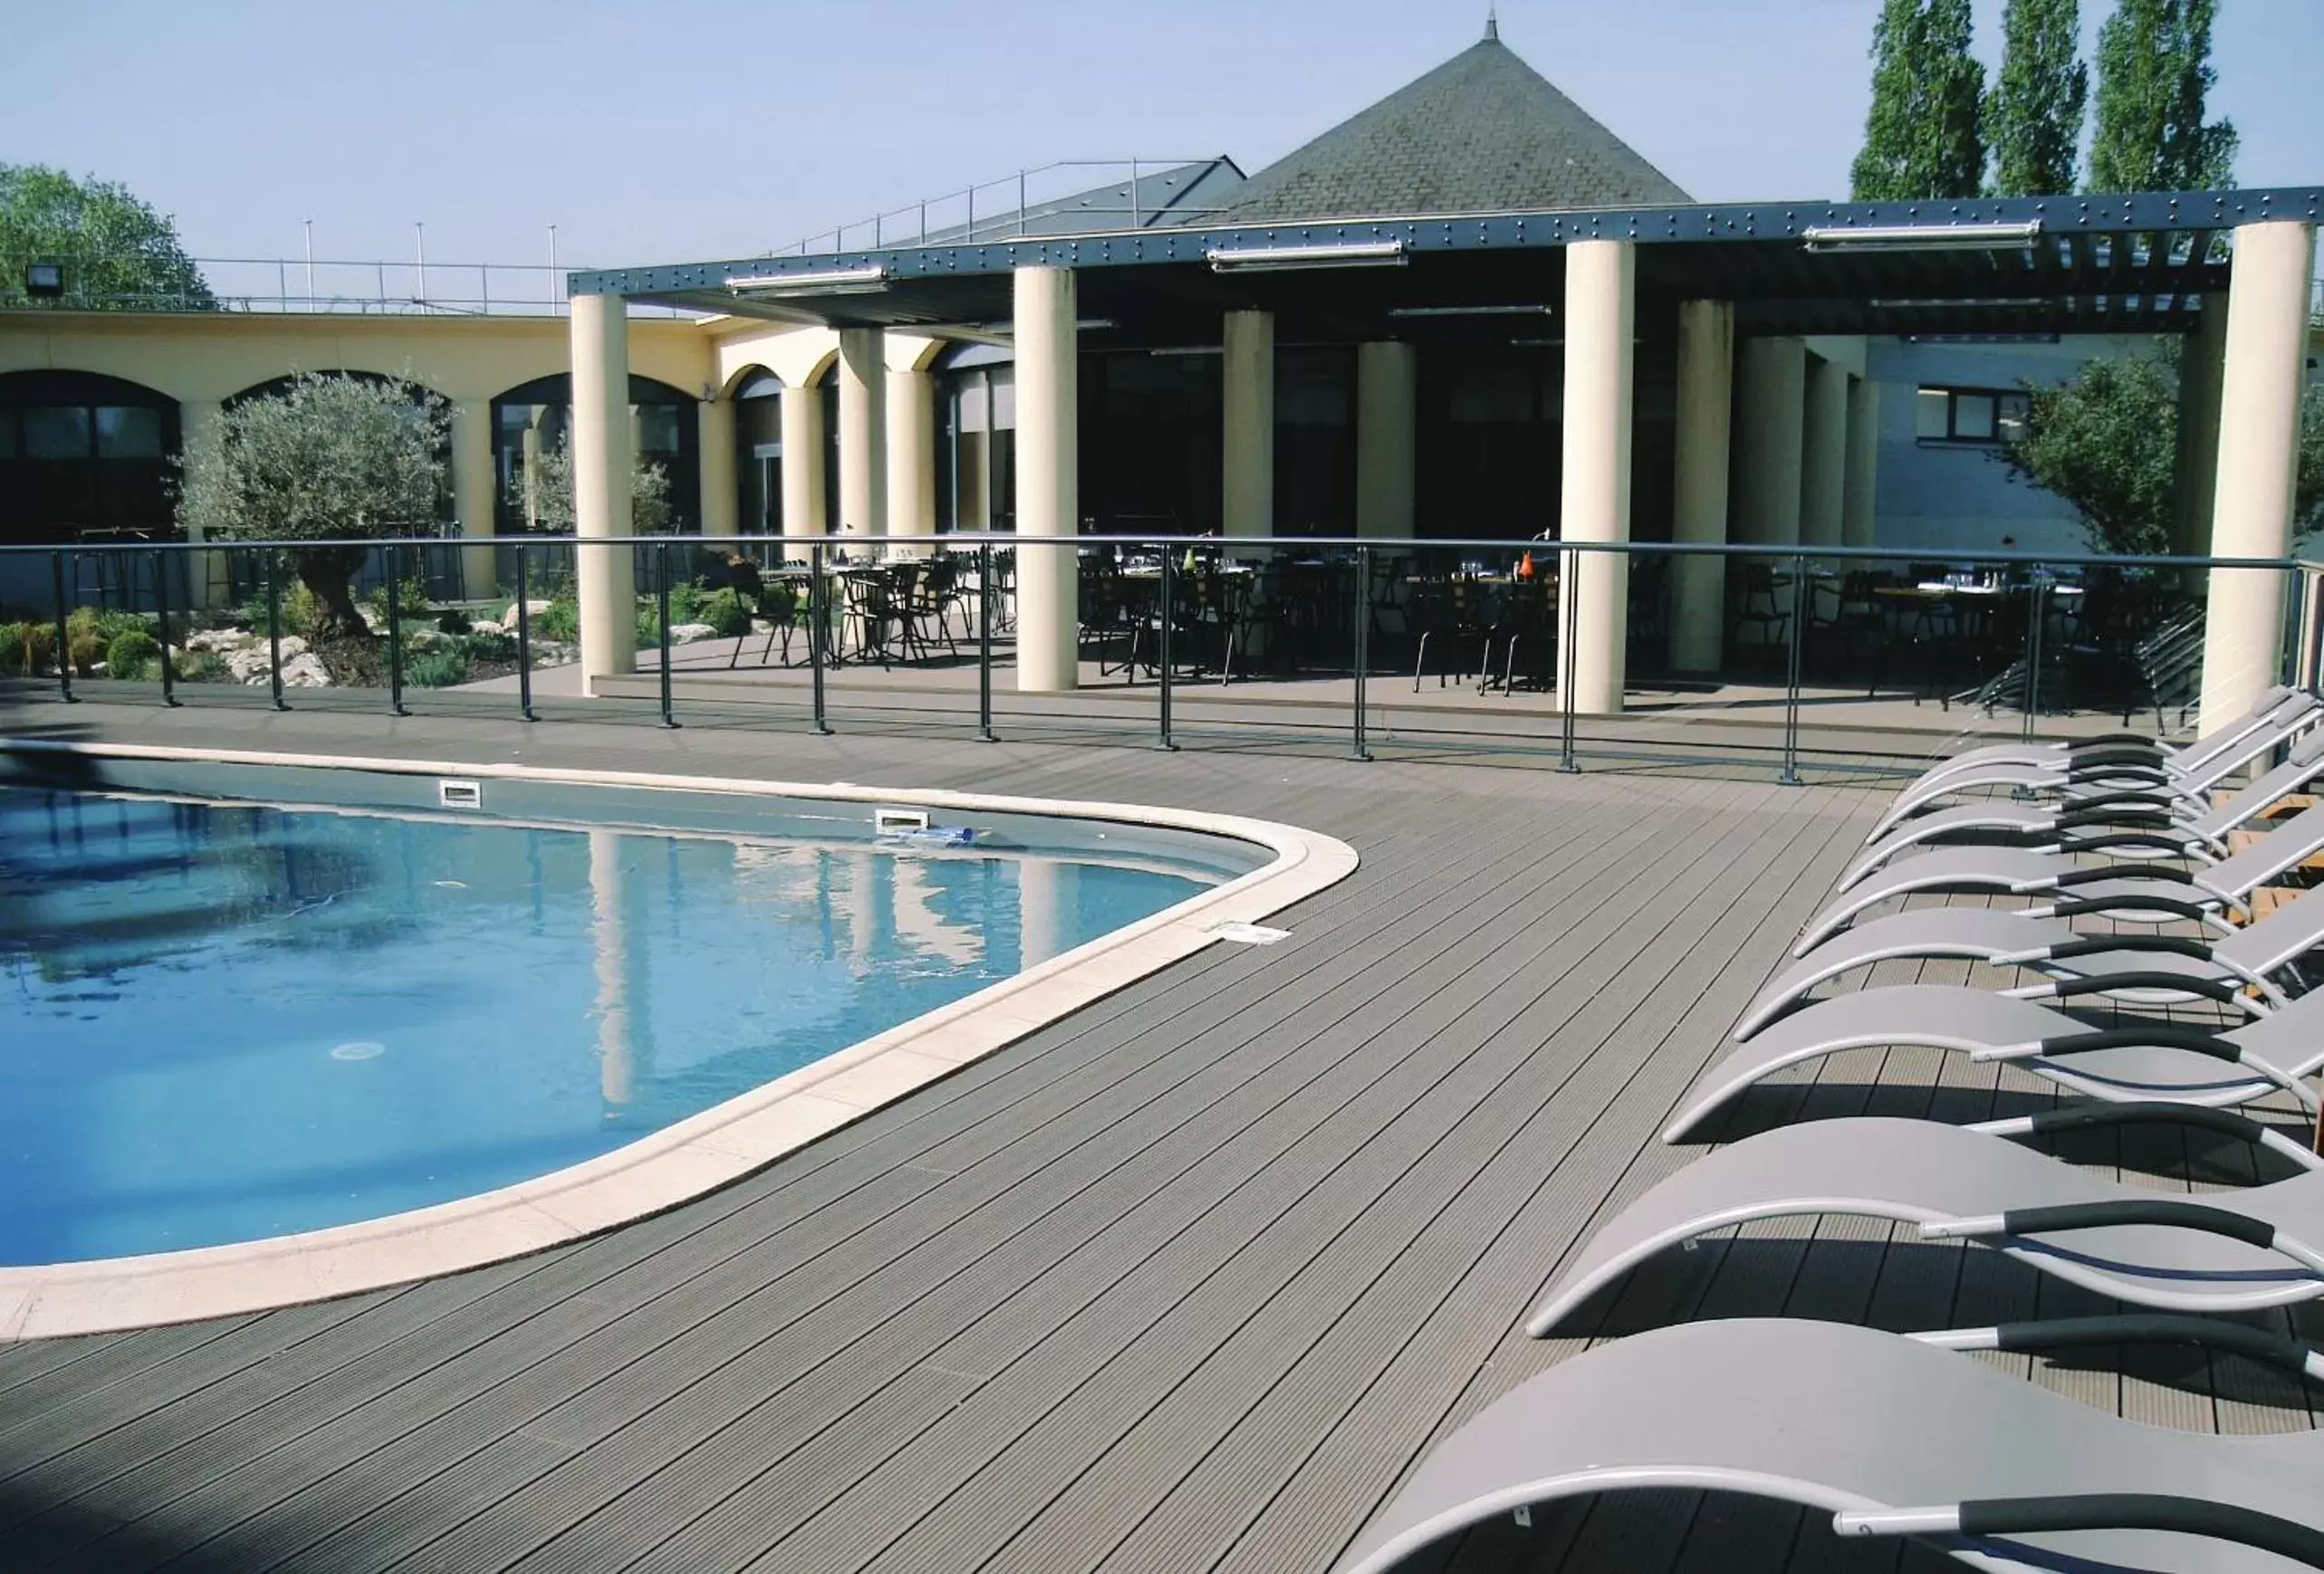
2020 1516
2101 1114
1961 1183
1848 1420
1981 934
2013 871
2140 1327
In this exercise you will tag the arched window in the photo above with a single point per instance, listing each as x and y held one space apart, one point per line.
82 452
534 417
758 453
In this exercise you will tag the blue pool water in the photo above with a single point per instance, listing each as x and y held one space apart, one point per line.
228 1022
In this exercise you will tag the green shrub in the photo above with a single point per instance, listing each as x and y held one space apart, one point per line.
724 612
15 639
87 649
489 647
561 622
131 655
453 620
438 668
102 625
649 625
411 600
197 667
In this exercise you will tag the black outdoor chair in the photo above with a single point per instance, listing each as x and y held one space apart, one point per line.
1758 608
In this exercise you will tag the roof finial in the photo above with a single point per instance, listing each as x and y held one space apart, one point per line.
1492 24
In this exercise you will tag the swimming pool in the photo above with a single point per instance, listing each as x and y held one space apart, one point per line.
232 1021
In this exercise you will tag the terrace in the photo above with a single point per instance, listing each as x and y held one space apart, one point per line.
1191 1279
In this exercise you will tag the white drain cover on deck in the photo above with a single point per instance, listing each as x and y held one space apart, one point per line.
1249 934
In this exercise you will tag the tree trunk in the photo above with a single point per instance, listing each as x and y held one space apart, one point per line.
329 572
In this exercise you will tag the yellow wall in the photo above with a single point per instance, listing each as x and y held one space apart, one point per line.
210 356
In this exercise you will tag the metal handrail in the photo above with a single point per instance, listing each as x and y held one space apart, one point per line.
970 230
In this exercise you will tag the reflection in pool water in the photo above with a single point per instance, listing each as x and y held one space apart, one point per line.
228 1021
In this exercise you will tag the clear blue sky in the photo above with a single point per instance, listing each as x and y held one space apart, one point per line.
651 132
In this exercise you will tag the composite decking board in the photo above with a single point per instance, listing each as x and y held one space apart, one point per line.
1067 1241
1412 822
1264 1446
1212 1219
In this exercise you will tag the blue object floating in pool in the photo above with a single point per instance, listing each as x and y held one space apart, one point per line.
941 835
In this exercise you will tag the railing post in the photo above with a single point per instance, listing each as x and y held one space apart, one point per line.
662 614
1790 774
817 628
161 600
1568 651
63 638
275 626
984 643
395 631
1167 612
523 640
2310 672
2037 612
1360 748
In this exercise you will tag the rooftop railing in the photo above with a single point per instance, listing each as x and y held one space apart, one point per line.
415 287
1085 194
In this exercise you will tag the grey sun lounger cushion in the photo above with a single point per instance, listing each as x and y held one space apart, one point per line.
2003 821
2193 754
2124 1060
1848 1421
2122 888
2222 1252
2251 956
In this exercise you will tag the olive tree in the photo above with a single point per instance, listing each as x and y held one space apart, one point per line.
327 460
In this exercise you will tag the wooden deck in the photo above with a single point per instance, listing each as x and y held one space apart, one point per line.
1186 1281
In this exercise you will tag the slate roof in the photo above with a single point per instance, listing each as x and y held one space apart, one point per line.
1484 132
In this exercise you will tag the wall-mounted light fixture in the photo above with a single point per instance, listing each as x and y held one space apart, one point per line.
1921 237
1284 259
45 280
830 282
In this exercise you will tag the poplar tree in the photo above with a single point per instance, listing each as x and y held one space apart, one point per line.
2153 74
1922 138
2034 114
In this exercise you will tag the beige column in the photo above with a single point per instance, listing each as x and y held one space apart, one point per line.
2201 354
863 433
207 574
911 456
721 498
1594 493
601 465
1823 462
1049 479
803 462
1388 400
1770 411
1705 402
474 490
1859 496
2259 459
1247 392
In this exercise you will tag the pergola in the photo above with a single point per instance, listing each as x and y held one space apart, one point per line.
1703 276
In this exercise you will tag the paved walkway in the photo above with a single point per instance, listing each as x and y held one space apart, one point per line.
1186 1281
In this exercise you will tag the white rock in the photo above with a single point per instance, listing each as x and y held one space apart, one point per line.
688 633
222 639
424 639
305 671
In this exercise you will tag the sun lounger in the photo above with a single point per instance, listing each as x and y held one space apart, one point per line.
2223 1251
2130 1059
2125 964
2171 813
2194 755
1891 1436
2103 773
2141 892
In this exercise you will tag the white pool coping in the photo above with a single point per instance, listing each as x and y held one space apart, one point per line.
698 1154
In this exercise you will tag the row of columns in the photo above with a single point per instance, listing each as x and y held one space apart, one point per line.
1803 423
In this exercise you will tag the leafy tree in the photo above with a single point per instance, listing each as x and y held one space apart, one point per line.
330 458
2108 443
2154 71
550 494
2034 113
117 252
1922 138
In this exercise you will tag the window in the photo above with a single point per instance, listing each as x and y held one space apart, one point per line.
1968 415
56 432
128 432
